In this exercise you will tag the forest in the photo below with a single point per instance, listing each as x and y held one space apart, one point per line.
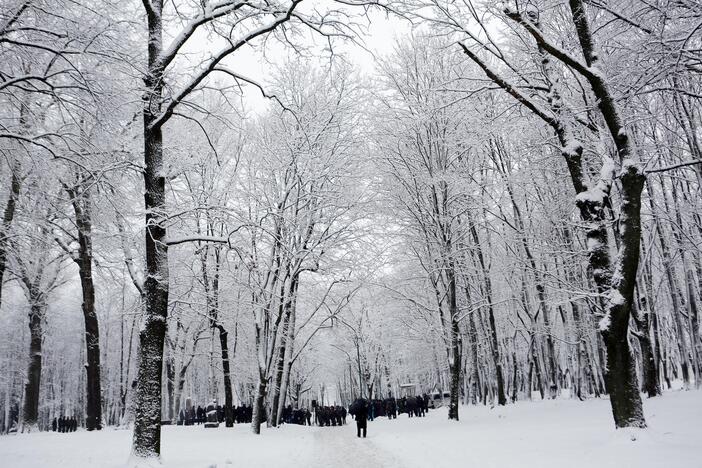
297 202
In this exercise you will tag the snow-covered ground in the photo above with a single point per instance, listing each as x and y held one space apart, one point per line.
562 433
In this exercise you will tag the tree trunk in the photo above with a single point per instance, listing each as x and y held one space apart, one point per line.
170 381
81 207
456 361
290 352
475 374
259 410
648 334
7 218
278 371
30 412
622 382
650 370
146 441
228 399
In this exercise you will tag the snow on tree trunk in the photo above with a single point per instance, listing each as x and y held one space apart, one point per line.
621 378
146 442
7 218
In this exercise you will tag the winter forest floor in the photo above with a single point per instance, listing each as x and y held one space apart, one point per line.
543 434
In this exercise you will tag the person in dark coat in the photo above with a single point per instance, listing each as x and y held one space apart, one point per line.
361 420
61 424
53 425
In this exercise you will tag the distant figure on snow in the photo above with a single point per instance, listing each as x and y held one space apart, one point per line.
360 411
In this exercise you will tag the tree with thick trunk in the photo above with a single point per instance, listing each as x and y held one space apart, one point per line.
30 409
157 110
615 281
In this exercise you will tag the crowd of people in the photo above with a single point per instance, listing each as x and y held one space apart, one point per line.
188 417
64 424
390 407
300 416
330 415
414 406
362 410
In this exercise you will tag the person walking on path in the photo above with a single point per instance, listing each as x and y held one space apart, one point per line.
361 420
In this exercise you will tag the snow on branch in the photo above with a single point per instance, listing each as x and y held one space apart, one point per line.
673 166
559 53
183 240
211 12
511 89
279 18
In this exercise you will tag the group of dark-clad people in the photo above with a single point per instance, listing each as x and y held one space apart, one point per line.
300 416
391 407
64 424
363 410
330 415
240 415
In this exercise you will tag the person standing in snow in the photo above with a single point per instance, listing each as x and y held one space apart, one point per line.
361 420
53 425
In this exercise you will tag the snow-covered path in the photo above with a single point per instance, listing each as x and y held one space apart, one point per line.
339 446
541 434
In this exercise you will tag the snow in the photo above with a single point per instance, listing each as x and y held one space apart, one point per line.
543 434
608 168
572 148
615 298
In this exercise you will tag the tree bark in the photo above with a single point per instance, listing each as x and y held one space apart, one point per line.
7 218
259 409
456 360
288 334
30 411
622 382
82 209
290 359
228 398
146 441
